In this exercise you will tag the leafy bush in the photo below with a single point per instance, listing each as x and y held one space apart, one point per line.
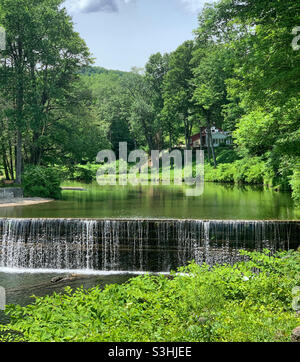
250 170
38 181
223 173
247 170
256 132
85 173
82 173
250 301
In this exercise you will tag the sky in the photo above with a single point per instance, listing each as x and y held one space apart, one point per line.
122 34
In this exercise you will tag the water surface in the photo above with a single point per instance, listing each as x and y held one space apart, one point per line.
219 201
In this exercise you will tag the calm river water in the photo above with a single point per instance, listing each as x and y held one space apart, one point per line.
219 201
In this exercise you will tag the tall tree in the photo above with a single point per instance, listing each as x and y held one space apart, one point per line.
113 104
178 90
211 68
266 81
156 69
41 61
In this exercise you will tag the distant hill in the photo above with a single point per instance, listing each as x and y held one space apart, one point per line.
91 70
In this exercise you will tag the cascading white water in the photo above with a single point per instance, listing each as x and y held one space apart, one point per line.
135 245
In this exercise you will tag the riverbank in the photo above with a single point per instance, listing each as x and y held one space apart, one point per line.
11 202
198 304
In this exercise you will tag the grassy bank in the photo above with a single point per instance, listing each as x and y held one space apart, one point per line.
250 301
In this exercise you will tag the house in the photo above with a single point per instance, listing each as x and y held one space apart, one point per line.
219 138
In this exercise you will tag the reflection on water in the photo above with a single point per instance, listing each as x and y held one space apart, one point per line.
219 201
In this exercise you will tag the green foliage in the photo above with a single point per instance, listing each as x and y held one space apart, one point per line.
39 72
178 92
256 133
223 173
93 70
250 301
295 183
246 170
41 181
83 174
113 96
226 155
239 73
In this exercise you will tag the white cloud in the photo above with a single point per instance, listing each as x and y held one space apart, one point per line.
194 5
93 6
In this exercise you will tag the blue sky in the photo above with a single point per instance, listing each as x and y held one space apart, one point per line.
124 33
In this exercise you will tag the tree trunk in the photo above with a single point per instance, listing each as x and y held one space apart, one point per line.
208 147
200 128
210 143
170 140
211 146
5 163
19 158
19 109
187 132
11 166
35 152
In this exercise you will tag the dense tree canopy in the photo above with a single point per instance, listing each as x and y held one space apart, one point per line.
38 75
239 73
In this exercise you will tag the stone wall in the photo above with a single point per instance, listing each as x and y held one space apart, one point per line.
11 193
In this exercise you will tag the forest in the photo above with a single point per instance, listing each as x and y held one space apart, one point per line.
240 72
84 262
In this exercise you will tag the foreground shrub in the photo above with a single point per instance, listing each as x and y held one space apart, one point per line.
38 181
250 301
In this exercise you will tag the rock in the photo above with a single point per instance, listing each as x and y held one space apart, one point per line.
57 279
296 335
65 278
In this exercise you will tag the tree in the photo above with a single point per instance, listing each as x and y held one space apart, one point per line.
77 133
178 91
6 140
113 103
265 84
41 61
267 64
156 69
211 69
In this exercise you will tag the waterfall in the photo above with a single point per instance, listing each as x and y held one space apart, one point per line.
136 245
